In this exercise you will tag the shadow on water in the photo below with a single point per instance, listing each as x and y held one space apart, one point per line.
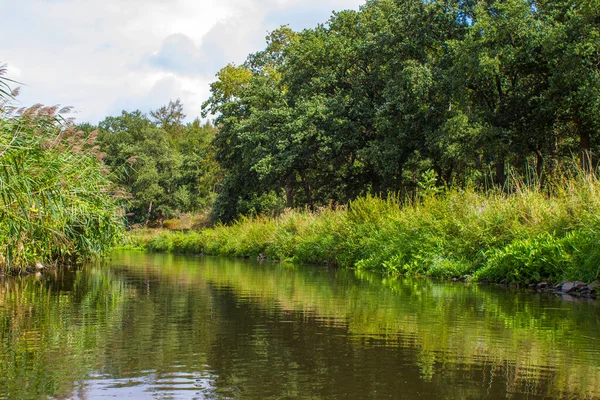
165 326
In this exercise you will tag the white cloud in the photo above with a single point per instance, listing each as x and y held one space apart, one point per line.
101 56
13 72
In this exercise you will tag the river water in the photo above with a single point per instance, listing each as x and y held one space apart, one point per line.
148 326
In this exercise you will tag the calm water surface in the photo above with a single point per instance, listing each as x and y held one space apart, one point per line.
146 326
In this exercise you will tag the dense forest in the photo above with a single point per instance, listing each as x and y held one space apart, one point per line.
166 166
372 99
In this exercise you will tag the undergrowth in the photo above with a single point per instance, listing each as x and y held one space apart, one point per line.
525 234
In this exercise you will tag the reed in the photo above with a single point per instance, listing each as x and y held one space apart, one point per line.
56 200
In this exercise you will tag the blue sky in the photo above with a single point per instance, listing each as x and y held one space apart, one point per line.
103 56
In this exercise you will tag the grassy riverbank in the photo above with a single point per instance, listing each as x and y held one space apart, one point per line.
529 235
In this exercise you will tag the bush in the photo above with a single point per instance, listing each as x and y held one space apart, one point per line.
532 259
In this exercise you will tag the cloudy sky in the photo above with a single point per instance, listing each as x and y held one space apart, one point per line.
103 56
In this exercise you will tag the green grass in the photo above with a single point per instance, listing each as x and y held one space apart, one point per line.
56 202
529 235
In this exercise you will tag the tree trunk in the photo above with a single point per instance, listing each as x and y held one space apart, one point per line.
539 164
289 194
500 172
307 191
149 213
519 164
553 165
585 149
398 178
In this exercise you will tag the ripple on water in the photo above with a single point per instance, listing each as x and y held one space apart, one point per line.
163 326
173 385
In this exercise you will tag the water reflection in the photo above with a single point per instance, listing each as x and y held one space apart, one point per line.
163 326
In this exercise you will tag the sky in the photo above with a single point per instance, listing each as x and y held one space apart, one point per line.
104 56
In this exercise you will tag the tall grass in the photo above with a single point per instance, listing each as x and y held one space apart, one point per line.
56 203
530 234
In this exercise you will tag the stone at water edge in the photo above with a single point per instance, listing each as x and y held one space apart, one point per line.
594 286
567 287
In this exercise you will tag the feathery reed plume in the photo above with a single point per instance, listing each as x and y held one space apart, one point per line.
56 203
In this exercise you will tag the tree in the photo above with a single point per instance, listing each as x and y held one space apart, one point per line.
170 118
249 101
167 167
502 78
572 48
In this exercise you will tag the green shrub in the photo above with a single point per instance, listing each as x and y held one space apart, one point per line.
532 259
161 243
585 255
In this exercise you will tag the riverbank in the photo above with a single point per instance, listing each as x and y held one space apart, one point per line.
528 236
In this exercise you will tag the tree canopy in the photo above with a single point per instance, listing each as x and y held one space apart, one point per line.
166 165
371 99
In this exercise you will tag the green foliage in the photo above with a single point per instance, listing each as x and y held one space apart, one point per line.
427 184
544 257
530 235
165 166
373 99
527 260
56 200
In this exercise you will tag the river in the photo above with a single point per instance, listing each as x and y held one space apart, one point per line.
156 326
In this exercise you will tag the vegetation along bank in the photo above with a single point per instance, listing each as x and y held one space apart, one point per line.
527 236
57 203
473 112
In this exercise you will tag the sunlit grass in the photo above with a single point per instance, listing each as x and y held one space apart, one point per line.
525 234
